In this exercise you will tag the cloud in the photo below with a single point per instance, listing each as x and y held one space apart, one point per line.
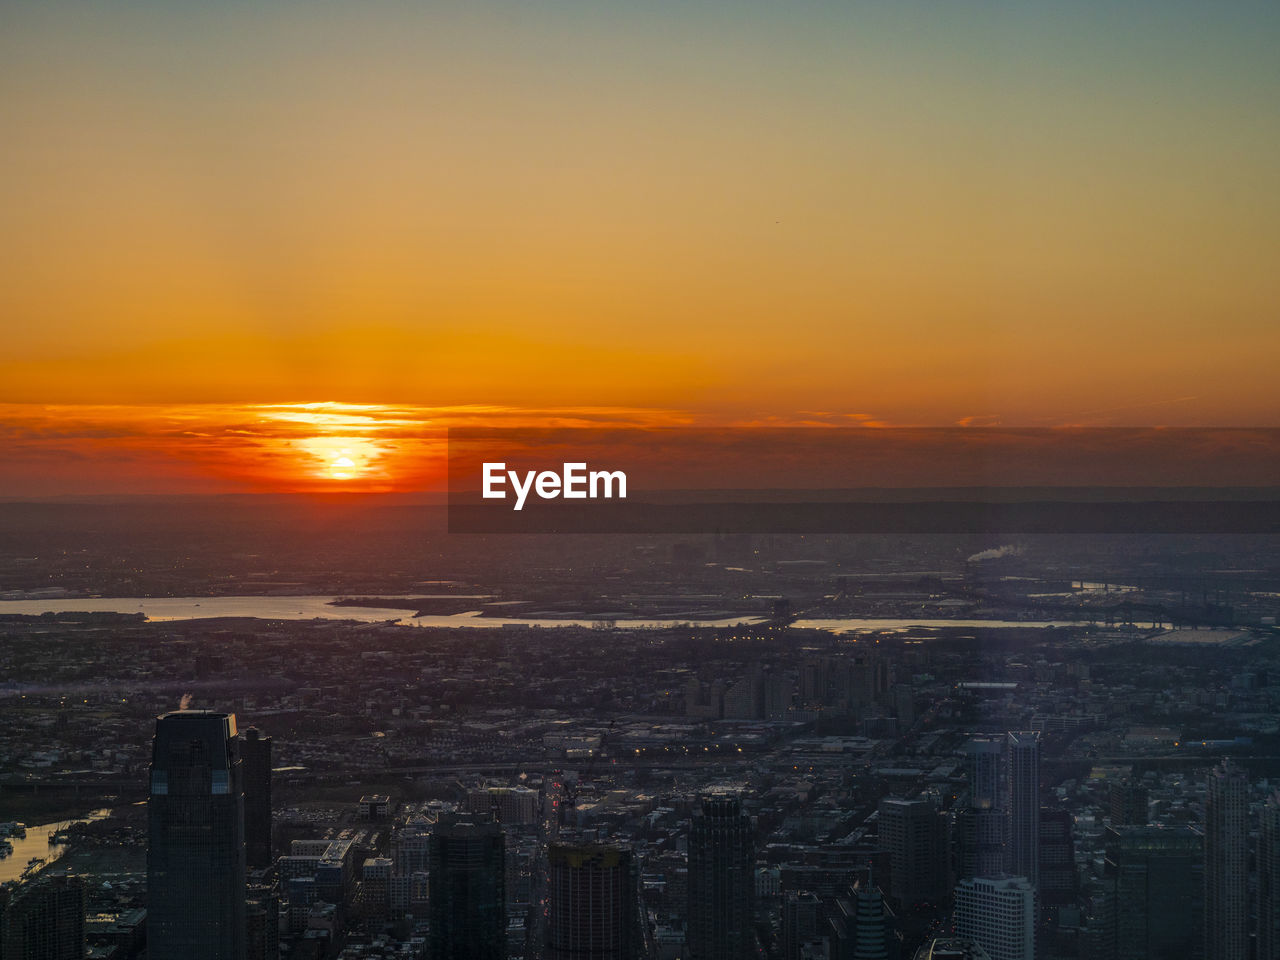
246 447
304 446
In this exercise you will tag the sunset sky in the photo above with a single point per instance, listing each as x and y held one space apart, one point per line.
242 238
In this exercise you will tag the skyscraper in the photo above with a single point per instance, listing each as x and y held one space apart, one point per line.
978 842
1024 805
1269 880
985 771
1128 804
1057 858
801 922
721 881
410 857
872 939
980 830
255 752
195 854
43 919
467 899
593 903
262 933
914 832
1000 914
1152 877
1226 907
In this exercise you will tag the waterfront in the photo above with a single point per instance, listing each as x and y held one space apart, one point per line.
321 607
36 845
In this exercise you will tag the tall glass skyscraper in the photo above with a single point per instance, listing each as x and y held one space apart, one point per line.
467 900
1024 805
915 834
195 854
1269 880
984 758
1153 876
721 881
255 752
593 904
1226 856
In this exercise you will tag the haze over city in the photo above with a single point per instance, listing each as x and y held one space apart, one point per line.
933 344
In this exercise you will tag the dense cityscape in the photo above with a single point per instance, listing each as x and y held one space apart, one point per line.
840 748
670 480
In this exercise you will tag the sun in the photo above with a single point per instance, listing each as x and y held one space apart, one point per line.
343 467
352 448
342 458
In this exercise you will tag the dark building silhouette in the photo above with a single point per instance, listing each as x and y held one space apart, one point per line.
1269 880
593 903
985 771
721 892
861 928
43 919
980 831
195 855
801 922
1057 858
915 834
1226 902
1128 804
255 753
262 931
1153 886
1024 806
467 894
978 840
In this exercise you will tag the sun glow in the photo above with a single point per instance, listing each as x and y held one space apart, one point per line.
372 447
342 468
260 447
351 444
343 457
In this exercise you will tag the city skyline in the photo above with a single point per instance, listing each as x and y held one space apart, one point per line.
924 356
611 789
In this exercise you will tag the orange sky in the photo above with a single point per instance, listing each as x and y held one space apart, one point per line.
368 448
213 448
910 214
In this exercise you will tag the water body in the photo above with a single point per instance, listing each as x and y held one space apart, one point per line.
36 844
854 625
319 607
304 608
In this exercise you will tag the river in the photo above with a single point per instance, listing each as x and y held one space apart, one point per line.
320 607
36 845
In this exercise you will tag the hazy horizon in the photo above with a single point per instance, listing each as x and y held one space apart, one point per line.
253 234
